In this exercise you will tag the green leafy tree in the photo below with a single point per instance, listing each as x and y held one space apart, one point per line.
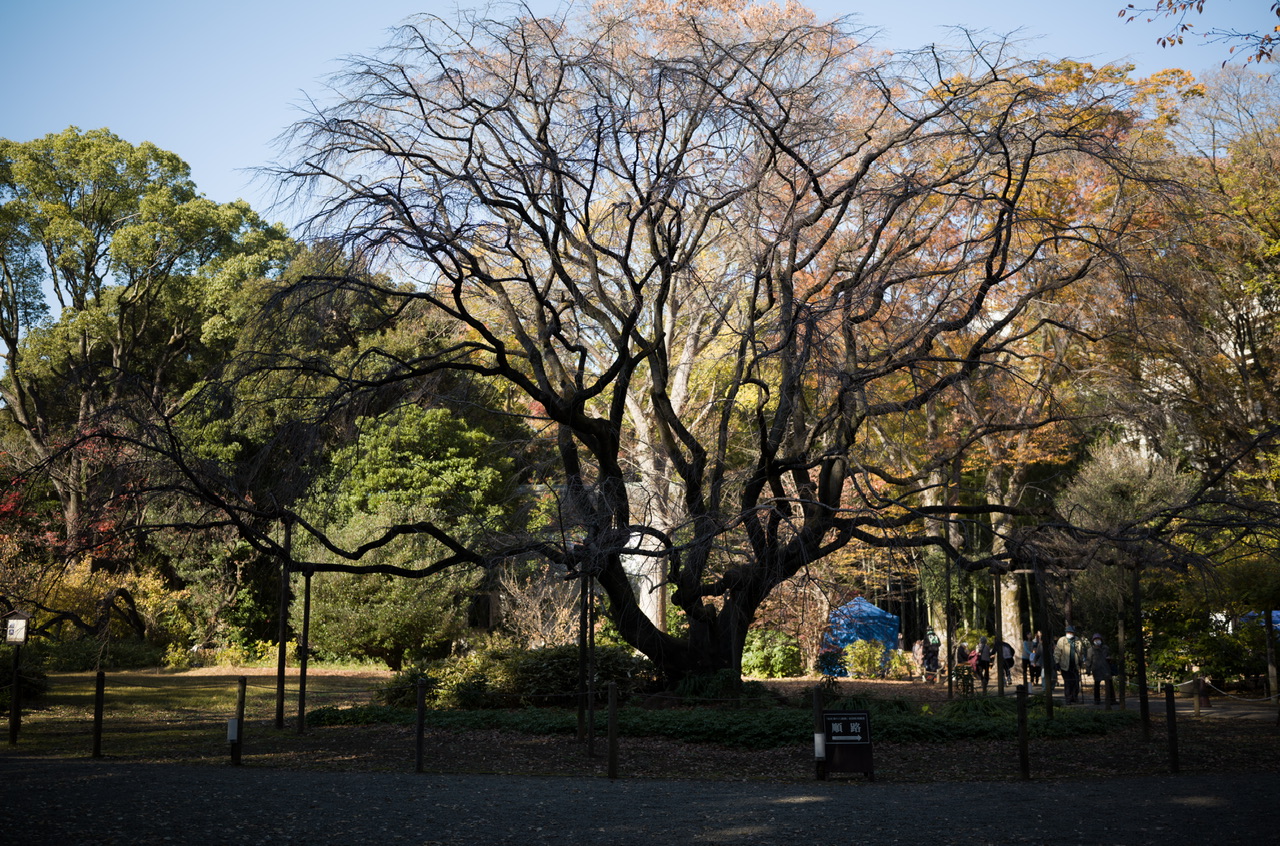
139 265
409 466
117 283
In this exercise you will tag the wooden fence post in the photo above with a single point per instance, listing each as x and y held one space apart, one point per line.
15 696
1172 716
1024 752
237 745
613 730
421 724
99 700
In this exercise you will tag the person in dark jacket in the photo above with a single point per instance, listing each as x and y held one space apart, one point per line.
1100 669
982 667
1004 656
931 644
1035 651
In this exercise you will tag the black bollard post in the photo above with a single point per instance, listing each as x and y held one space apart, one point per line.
819 737
421 725
1170 708
613 730
15 698
99 700
1024 751
304 652
237 745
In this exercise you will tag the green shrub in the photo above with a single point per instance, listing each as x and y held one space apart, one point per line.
84 655
894 721
470 681
503 676
178 657
35 682
877 707
721 687
359 715
401 690
249 654
978 706
771 654
899 666
865 659
549 676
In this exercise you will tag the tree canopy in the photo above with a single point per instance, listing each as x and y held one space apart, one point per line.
725 258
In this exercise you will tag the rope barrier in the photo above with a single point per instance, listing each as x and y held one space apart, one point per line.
118 683
1210 685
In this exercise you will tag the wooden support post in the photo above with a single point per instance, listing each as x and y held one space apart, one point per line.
1171 711
99 700
591 667
1140 656
582 659
951 638
282 637
1199 693
1048 671
999 645
304 650
1024 751
613 730
15 696
421 725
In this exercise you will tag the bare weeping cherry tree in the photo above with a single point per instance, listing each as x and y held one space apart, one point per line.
706 253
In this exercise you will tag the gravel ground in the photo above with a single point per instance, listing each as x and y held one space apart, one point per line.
67 802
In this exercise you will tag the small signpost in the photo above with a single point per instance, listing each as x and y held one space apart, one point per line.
15 628
15 633
842 742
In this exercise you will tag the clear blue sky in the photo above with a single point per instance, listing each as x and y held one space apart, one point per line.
215 82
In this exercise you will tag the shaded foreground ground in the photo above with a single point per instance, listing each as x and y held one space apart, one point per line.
1231 737
74 802
165 778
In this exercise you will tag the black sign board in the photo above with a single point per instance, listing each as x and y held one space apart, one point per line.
847 742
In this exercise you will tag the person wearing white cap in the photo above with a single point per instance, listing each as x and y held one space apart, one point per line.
1069 657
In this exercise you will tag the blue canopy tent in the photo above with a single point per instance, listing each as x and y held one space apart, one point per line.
1255 615
856 620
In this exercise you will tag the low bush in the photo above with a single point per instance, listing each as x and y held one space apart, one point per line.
87 654
401 690
865 659
978 706
723 687
892 720
502 676
549 676
35 682
771 654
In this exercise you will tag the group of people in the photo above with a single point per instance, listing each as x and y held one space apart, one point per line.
1074 658
1071 657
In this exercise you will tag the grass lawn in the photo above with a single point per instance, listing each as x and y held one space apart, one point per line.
182 718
